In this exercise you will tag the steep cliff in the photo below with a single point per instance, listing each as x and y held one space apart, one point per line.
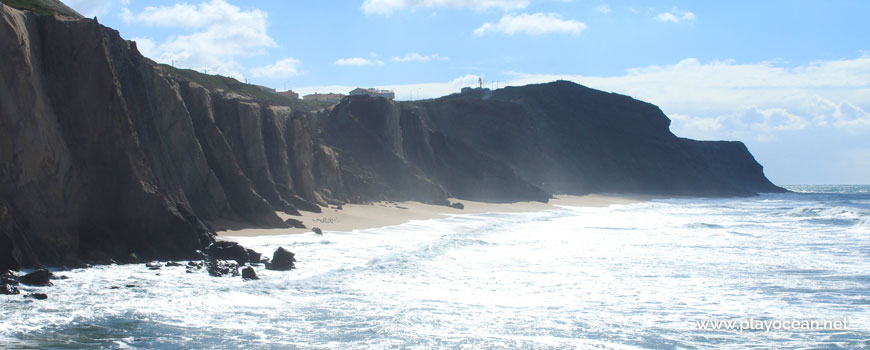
567 138
105 154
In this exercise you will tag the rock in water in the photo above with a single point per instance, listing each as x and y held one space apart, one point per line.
295 223
39 277
253 256
249 273
317 231
37 296
225 250
457 205
8 278
7 289
219 268
282 260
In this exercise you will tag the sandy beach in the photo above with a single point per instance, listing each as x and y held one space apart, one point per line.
379 214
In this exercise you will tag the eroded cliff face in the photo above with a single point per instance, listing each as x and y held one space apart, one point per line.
106 155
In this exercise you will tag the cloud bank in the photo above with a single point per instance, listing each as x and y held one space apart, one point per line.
532 24
386 7
221 33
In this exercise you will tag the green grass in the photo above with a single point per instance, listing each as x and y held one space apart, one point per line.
42 7
230 84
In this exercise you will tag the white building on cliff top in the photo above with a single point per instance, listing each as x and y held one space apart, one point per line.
373 92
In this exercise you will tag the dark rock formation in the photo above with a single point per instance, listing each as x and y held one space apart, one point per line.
41 277
294 223
8 289
457 205
8 284
249 273
253 256
220 268
317 230
282 260
133 159
226 250
37 296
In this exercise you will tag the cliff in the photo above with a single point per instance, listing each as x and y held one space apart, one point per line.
106 155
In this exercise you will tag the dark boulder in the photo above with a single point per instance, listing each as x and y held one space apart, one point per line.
39 277
220 268
457 205
225 250
253 256
295 223
37 296
153 265
282 260
249 273
173 264
317 230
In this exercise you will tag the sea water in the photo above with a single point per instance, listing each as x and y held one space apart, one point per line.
638 276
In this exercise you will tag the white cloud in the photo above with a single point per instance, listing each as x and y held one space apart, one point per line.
675 16
91 8
221 33
532 24
359 61
603 8
835 93
283 68
416 57
385 7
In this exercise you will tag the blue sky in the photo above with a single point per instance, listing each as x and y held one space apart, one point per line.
789 78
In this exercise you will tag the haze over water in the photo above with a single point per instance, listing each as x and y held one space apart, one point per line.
621 277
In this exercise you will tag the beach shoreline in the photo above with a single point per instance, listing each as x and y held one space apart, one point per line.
388 213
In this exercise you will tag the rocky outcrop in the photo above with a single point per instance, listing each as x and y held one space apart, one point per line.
106 155
282 260
561 137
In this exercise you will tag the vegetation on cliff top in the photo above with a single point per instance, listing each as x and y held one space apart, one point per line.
230 84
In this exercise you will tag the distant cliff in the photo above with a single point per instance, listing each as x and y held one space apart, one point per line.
106 155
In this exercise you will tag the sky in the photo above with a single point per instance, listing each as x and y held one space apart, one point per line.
791 79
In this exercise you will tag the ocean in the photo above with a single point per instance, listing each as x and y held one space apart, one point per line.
663 274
